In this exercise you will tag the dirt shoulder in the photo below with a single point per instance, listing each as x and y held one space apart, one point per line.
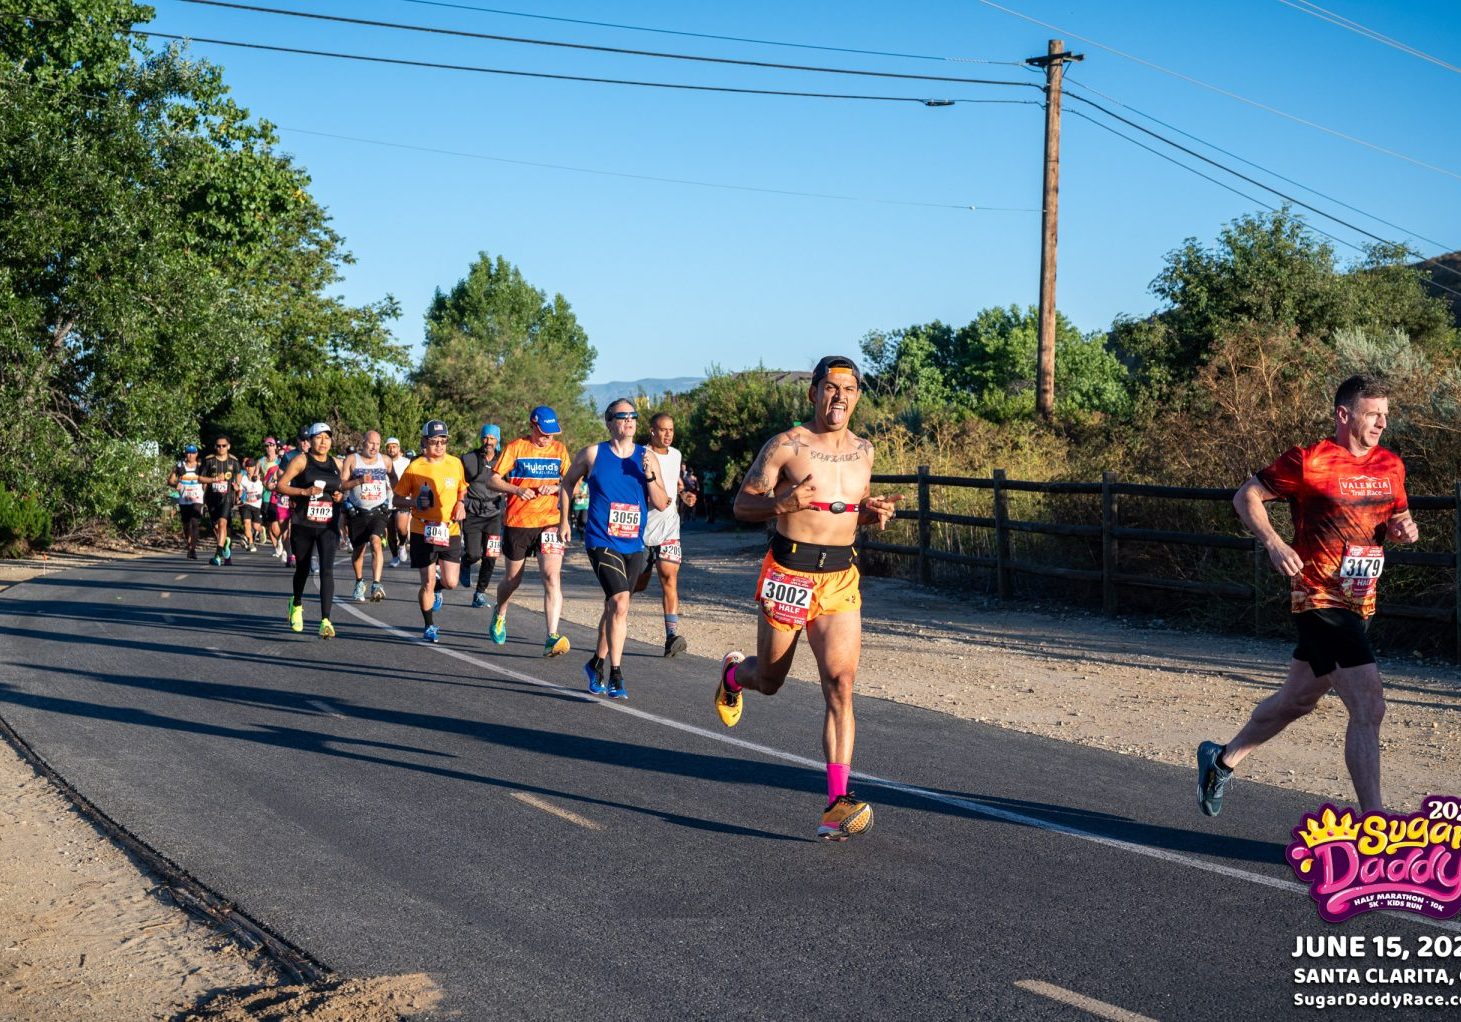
85 935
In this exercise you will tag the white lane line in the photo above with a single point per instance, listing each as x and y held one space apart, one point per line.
165 596
1088 1004
549 807
178 578
968 804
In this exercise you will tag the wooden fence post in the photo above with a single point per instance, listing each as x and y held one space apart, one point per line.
1108 543
925 528
1260 562
1001 537
1456 547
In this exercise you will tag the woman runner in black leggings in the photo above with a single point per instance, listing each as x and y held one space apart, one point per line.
312 483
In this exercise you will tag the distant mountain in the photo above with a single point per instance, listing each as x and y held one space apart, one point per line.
600 394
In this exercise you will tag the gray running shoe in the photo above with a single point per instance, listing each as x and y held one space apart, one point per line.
1212 779
359 594
675 645
377 592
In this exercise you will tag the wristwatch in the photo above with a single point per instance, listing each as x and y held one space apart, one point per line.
650 479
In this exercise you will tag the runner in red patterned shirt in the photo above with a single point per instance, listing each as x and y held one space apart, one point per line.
1347 495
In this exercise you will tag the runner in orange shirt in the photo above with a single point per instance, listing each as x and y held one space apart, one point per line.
530 471
1348 498
433 488
813 482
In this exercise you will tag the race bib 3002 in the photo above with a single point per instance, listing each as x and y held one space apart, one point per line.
624 520
785 598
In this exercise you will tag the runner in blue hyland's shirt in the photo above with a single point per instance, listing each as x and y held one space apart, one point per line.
624 482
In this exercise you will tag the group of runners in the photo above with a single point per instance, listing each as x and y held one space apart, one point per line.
813 483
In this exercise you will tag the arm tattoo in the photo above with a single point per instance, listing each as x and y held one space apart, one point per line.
758 480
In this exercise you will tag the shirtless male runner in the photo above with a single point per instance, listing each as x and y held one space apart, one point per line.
1348 499
813 482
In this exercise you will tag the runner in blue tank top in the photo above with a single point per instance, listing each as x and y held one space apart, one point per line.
624 481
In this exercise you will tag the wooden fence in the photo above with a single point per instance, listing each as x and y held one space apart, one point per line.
1111 534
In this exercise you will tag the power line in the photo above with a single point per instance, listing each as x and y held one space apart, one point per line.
1238 174
660 180
1224 185
1225 92
1257 166
432 30
711 35
1350 25
399 61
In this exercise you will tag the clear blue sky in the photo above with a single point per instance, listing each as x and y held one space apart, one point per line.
670 278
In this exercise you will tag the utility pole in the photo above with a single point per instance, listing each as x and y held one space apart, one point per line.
1054 64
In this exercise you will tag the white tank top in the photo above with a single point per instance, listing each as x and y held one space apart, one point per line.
376 489
664 526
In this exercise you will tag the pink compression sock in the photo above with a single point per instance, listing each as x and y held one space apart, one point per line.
837 780
730 679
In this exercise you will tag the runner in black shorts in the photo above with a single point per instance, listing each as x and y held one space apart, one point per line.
220 477
482 528
432 488
624 482
1347 495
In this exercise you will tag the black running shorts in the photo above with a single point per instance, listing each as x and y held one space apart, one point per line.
1331 638
519 543
616 572
365 524
424 554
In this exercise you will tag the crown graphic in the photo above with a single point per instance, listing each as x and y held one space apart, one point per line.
1327 827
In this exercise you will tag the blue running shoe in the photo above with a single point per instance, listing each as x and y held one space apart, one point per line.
430 634
479 599
436 603
595 679
617 689
1212 779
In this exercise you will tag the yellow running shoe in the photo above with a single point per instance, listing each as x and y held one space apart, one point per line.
296 616
555 645
327 630
727 703
845 817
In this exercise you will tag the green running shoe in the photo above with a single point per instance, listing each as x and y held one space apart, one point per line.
327 630
1212 778
499 627
296 616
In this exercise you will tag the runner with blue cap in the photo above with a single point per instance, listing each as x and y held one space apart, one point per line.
482 528
530 471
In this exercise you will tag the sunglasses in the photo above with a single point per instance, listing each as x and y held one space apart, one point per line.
220 447
621 416
434 440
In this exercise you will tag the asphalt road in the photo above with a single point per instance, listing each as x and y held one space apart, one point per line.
466 810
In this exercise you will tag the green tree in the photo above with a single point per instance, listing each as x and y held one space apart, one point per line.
988 366
496 347
158 258
1270 273
732 415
